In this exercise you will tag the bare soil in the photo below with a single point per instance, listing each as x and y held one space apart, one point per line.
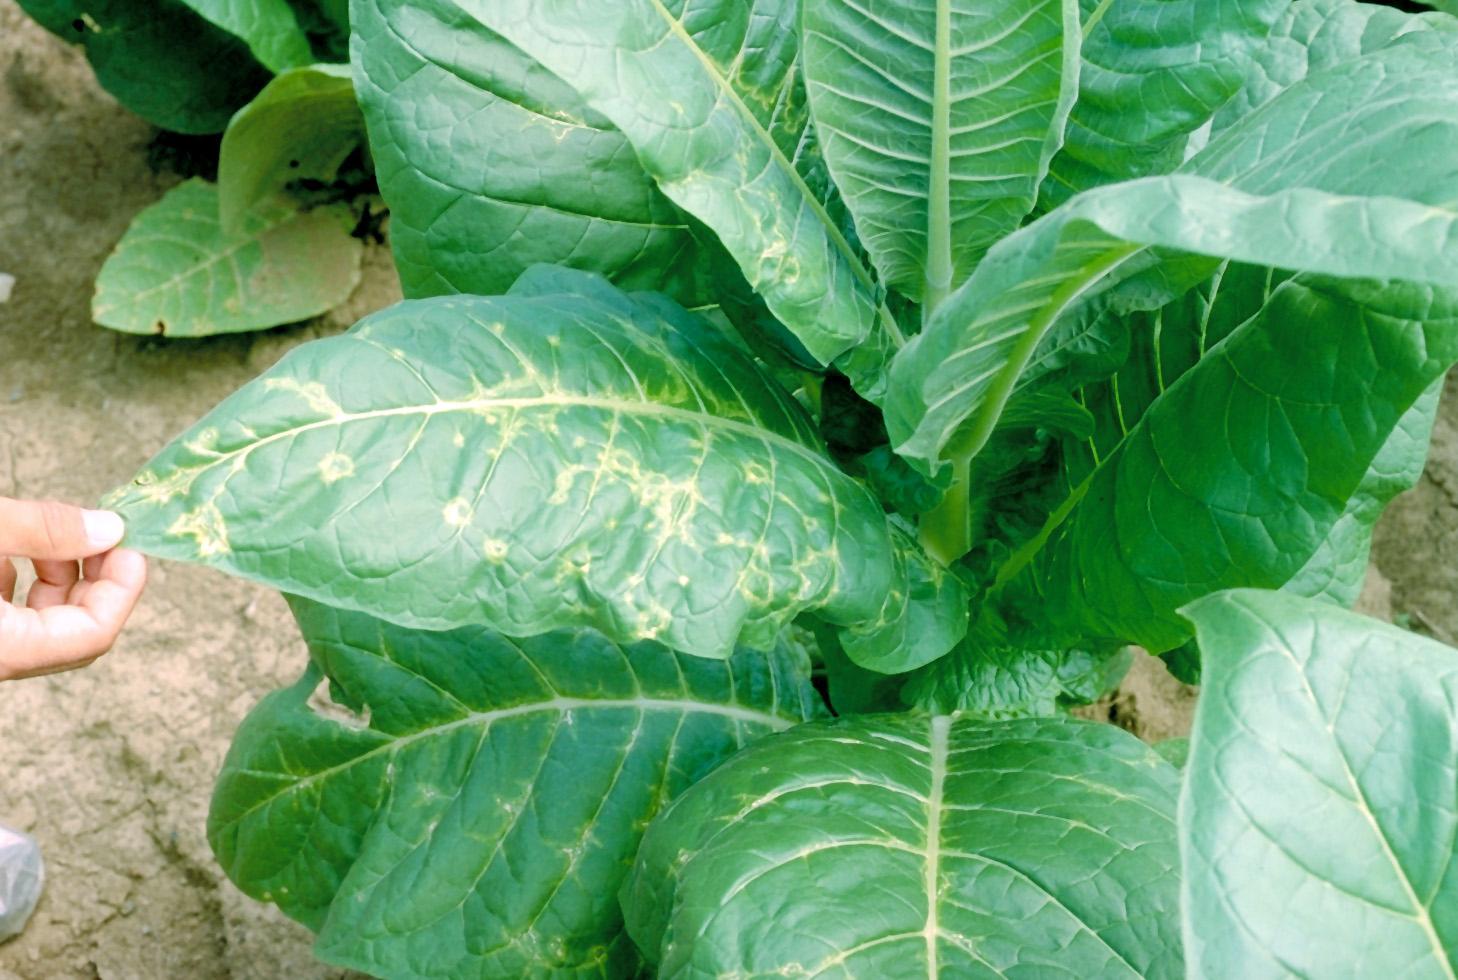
111 767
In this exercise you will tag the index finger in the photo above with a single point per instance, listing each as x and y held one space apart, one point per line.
53 531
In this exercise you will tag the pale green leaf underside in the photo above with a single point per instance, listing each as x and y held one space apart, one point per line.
938 121
301 126
177 272
268 27
951 382
558 460
491 164
698 90
470 804
1318 818
902 846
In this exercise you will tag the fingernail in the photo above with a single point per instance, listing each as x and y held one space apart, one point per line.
104 529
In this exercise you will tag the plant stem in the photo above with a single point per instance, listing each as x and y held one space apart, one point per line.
939 190
946 530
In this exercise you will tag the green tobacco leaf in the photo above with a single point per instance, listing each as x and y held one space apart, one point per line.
933 623
491 164
1338 568
705 94
1317 821
1237 474
1172 340
938 123
177 272
159 59
1315 35
268 27
1154 72
955 378
853 689
908 846
460 804
301 126
582 459
989 677
951 382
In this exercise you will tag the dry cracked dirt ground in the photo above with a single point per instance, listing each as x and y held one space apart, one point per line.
111 767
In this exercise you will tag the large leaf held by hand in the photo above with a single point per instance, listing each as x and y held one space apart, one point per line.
1318 817
178 272
563 456
938 122
467 805
491 164
906 846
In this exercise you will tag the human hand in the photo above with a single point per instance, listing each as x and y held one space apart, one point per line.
85 586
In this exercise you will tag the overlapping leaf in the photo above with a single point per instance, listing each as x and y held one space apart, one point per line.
1172 340
909 846
1318 818
1325 134
268 27
952 382
159 59
989 677
467 805
938 122
1337 569
301 126
1316 35
1153 73
1240 471
581 459
177 271
703 91
491 164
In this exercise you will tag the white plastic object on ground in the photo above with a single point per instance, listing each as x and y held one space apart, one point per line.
7 283
22 875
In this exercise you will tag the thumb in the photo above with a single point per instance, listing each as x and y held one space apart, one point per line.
56 532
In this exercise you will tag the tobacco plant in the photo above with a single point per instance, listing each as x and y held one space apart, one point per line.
239 253
800 406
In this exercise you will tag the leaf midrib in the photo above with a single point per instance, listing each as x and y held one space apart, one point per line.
248 238
938 742
480 405
939 189
557 704
782 162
